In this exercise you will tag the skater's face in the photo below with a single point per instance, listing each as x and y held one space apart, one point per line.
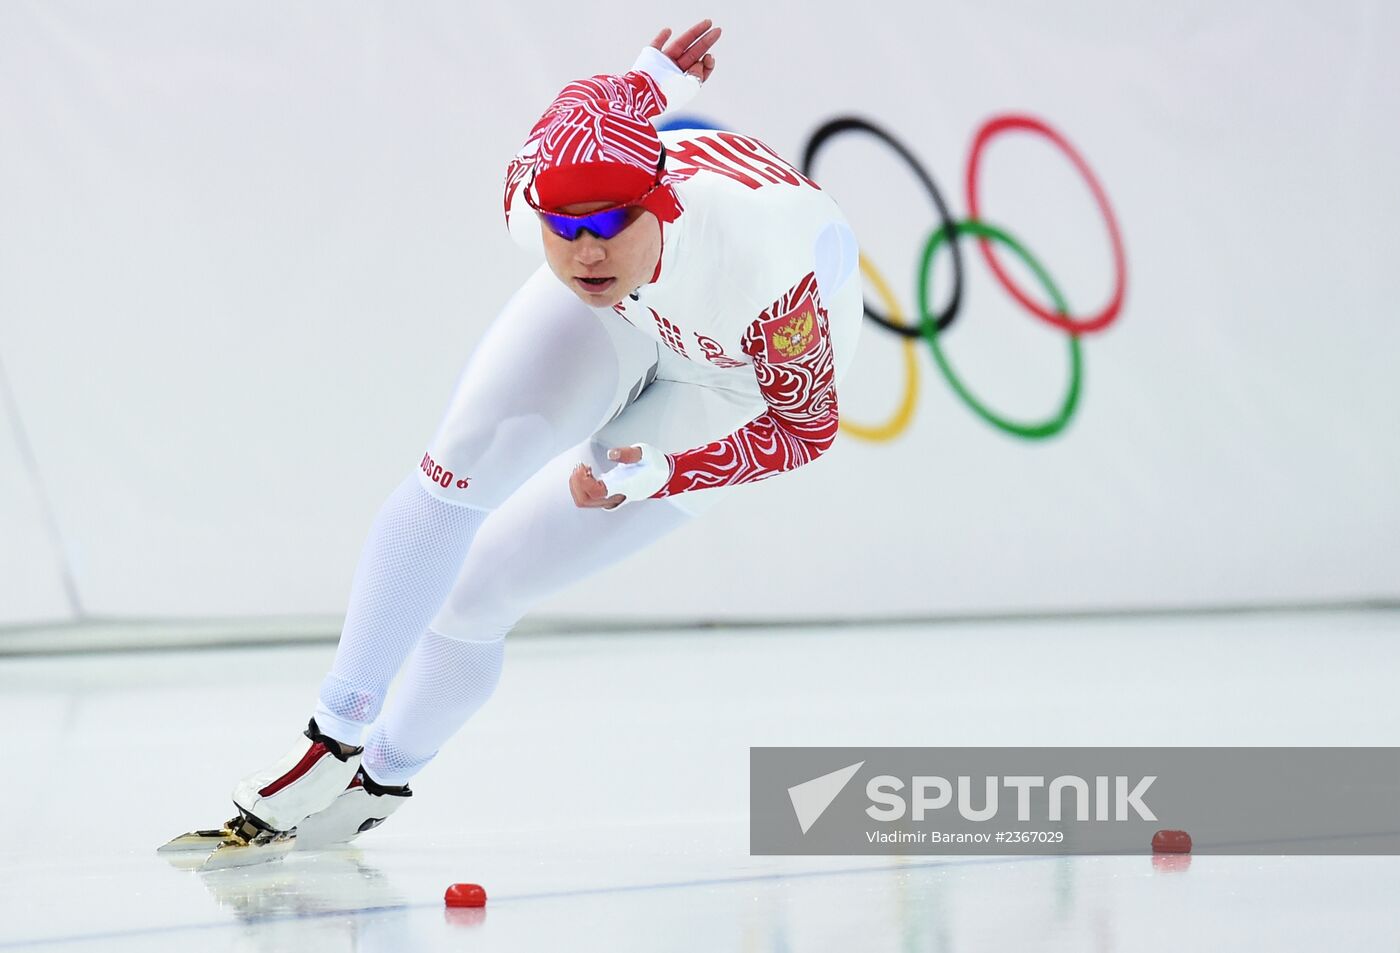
604 271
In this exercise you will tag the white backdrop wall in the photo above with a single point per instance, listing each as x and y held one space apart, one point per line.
245 249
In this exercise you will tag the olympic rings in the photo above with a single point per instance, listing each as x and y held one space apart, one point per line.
948 231
1033 431
1098 322
836 127
904 413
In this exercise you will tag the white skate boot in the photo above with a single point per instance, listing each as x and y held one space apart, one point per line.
271 803
305 780
362 806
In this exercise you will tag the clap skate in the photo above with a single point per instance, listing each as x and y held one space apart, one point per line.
271 803
239 843
362 806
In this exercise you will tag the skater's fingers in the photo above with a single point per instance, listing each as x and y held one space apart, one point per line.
682 49
698 50
614 501
583 487
661 38
594 503
702 69
625 454
588 501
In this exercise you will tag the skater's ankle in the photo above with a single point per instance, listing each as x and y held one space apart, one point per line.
374 787
341 749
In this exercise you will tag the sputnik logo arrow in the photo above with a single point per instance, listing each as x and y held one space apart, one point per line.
810 799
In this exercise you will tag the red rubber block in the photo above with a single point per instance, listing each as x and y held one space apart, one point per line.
1171 842
465 895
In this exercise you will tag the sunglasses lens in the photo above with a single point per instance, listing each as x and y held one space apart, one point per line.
565 228
605 223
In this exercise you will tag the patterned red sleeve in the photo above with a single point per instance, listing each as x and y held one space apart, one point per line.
636 91
790 344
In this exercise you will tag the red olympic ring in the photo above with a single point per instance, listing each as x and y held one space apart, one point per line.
1067 322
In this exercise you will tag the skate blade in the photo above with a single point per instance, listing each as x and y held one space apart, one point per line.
232 854
194 841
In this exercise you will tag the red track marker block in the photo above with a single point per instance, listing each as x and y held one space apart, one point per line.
465 895
1171 842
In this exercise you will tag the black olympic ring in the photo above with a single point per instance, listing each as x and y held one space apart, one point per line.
841 124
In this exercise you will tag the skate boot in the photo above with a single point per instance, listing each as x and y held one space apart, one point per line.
305 780
271 803
362 806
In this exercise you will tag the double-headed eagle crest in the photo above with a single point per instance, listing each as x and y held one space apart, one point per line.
793 338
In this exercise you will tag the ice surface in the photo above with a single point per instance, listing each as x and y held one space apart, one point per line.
601 797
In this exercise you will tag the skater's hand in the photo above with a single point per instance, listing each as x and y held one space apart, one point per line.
640 472
690 50
589 492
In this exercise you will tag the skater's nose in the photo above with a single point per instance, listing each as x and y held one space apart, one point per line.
589 250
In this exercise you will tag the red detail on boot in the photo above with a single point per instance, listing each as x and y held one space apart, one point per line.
313 754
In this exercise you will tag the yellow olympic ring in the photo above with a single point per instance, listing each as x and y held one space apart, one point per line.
904 413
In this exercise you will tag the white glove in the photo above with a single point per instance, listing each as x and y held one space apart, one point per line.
678 88
641 480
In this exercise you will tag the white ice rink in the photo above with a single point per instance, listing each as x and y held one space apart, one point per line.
601 797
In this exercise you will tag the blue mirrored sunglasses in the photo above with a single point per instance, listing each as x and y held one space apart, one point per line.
604 223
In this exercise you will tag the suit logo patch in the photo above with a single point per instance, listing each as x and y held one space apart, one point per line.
789 336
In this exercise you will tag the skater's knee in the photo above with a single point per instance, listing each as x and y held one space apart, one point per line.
481 463
470 616
413 505
477 612
419 520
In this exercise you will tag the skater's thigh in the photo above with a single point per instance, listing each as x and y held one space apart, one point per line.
547 373
537 543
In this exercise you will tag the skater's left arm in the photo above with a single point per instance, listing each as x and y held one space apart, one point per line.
793 360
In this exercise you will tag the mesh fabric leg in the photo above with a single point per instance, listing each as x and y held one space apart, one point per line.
444 682
547 374
534 545
414 551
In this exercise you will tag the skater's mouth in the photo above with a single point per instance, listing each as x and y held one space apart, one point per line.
595 286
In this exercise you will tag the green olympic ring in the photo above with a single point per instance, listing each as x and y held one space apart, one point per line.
928 324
